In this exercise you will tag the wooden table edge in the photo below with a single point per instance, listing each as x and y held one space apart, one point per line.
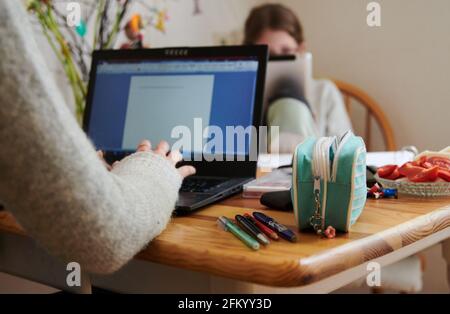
307 270
294 272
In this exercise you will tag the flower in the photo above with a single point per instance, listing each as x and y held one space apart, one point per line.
133 27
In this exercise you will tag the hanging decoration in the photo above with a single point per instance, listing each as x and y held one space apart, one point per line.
98 28
133 33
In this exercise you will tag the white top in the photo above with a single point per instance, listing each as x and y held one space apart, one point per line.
295 121
328 108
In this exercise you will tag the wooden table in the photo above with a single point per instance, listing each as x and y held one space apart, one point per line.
387 231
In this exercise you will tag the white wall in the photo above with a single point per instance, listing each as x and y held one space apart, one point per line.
404 64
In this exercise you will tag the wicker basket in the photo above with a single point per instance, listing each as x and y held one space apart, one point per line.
425 189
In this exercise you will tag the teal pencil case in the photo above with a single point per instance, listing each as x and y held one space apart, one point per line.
329 182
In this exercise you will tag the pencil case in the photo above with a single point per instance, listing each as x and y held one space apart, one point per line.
329 182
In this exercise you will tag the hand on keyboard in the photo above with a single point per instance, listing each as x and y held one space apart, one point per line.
162 149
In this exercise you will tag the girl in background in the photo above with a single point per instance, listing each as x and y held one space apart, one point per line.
324 115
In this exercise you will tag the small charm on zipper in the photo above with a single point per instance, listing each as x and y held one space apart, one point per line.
316 219
329 233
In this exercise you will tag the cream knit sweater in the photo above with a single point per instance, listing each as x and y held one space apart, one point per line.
50 176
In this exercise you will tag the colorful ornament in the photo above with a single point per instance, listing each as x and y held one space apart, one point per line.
330 232
133 32
161 19
133 27
81 28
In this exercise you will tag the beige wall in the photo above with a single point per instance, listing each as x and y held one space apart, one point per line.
404 64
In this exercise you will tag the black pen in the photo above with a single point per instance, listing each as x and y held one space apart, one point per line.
283 231
249 226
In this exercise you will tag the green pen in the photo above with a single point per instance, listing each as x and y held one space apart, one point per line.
228 225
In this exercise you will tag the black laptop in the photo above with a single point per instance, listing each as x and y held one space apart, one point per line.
188 97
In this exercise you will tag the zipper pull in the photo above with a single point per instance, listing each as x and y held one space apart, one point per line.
316 219
316 184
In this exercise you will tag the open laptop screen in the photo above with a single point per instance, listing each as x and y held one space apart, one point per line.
160 99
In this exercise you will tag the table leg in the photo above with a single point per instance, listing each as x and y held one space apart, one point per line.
446 255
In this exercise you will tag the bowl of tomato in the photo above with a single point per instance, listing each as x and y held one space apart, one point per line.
428 175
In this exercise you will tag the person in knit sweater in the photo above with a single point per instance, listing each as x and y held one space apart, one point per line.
51 178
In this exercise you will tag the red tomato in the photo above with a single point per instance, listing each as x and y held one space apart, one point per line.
409 169
444 174
441 162
421 161
427 165
394 175
385 171
426 175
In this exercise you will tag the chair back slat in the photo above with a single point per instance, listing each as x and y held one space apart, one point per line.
348 105
368 131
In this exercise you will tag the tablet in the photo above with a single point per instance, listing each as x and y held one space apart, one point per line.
288 76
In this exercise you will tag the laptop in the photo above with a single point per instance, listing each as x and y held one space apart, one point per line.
181 95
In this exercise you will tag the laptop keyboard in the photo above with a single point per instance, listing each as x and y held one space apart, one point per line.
200 185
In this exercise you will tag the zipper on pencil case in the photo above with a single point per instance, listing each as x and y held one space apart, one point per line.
294 185
340 143
322 170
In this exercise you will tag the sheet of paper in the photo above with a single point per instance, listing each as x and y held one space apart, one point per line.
274 161
379 159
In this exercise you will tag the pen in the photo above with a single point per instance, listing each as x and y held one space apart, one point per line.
248 226
269 232
228 225
283 231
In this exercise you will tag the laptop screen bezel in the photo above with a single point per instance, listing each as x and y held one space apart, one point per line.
235 169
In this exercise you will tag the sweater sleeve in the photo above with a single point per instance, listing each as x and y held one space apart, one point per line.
50 176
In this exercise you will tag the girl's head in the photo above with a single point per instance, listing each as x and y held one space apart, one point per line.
276 26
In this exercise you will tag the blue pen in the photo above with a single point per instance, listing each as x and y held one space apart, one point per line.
283 231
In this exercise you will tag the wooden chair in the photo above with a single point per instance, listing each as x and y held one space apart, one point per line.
351 94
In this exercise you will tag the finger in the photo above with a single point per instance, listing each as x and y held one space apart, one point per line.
115 164
101 156
108 166
186 171
175 156
162 148
144 146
